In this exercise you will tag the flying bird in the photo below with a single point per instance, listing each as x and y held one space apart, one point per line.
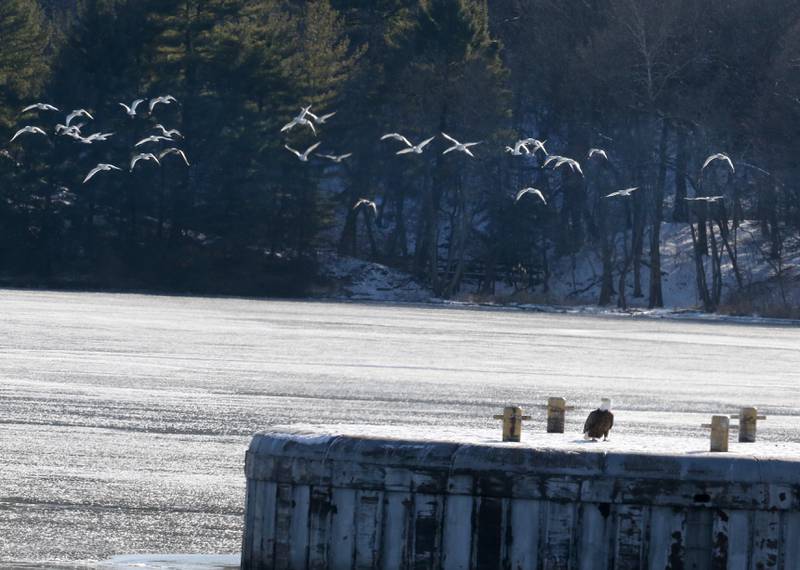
518 149
28 129
78 113
719 156
705 199
164 99
599 422
99 137
368 203
623 193
534 191
416 149
562 160
100 168
336 158
303 156
598 152
169 133
131 111
537 145
153 138
461 147
301 120
40 107
143 156
320 120
173 150
397 137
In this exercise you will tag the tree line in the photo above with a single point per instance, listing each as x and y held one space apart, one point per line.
658 84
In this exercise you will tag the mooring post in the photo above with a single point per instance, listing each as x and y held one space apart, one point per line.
512 422
720 426
556 414
748 420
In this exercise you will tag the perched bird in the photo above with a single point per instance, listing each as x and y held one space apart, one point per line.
461 147
599 422
320 120
301 120
143 156
537 145
719 156
705 199
598 152
169 133
164 99
416 149
623 193
28 129
78 113
397 137
131 111
99 168
534 191
303 156
336 158
39 107
153 138
173 150
368 203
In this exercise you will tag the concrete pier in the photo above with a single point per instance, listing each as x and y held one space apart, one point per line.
339 501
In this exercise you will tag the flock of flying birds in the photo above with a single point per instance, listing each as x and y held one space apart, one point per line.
73 131
523 147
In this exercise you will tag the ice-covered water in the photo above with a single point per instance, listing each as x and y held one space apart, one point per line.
124 418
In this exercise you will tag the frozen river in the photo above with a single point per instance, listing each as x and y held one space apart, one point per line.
124 418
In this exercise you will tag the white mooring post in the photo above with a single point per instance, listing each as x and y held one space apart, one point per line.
512 422
748 420
720 427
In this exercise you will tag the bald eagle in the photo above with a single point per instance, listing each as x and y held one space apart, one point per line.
599 422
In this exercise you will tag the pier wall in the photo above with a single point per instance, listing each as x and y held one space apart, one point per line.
345 502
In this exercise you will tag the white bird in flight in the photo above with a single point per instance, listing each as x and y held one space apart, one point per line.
28 129
131 111
368 203
534 191
300 119
416 149
78 113
99 137
598 152
622 193
164 99
143 156
719 156
100 168
173 150
303 156
562 160
152 138
461 147
705 199
518 149
537 145
39 107
169 133
336 158
397 137
320 120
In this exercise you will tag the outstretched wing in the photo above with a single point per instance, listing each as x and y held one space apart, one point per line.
398 137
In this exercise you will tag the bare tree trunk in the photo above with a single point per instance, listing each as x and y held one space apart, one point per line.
700 274
680 212
656 293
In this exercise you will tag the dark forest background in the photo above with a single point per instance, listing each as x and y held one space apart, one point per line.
659 84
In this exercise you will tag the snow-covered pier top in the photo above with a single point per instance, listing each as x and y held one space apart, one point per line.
367 497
